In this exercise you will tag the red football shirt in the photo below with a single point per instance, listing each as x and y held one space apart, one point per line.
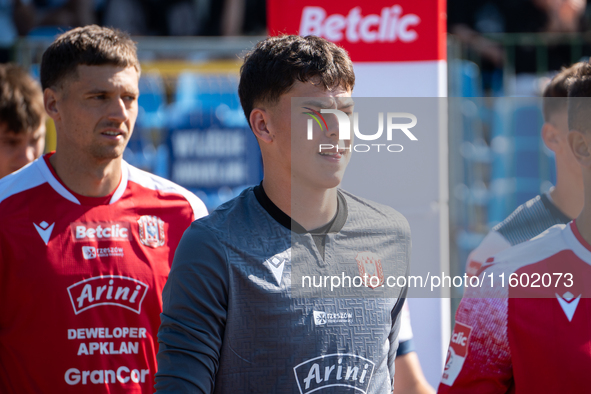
535 336
81 280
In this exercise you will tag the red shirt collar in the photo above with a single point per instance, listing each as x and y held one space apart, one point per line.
578 236
84 200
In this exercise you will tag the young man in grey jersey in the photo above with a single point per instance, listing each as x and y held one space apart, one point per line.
559 206
231 322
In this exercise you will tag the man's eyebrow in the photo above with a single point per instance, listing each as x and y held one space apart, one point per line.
103 91
96 91
9 136
346 105
318 103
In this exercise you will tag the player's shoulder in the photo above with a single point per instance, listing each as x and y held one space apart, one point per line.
159 184
234 225
374 212
493 243
530 219
237 214
523 212
24 179
545 245
154 182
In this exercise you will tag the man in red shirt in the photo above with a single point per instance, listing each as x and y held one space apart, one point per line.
87 240
557 206
22 119
527 329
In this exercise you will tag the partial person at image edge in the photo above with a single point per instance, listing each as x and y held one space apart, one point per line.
87 240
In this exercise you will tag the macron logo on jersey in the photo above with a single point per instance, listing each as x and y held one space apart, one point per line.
44 229
277 263
569 304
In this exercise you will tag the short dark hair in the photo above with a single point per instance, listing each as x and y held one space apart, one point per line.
556 91
579 99
89 45
276 63
21 100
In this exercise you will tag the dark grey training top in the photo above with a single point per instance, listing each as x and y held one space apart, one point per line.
230 324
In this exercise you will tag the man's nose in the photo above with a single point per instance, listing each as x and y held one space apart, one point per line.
118 111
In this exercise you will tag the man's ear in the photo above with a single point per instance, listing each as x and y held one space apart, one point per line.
579 145
50 102
259 121
550 137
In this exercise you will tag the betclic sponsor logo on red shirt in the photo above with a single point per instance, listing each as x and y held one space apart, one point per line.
460 338
100 231
457 353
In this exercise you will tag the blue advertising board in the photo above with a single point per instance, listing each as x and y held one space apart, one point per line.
212 149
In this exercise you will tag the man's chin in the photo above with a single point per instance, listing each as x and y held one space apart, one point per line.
324 182
108 153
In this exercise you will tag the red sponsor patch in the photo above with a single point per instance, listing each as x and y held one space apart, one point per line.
370 264
456 354
460 339
371 31
114 290
100 231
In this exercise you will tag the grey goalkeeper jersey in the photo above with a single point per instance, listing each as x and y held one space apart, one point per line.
231 325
